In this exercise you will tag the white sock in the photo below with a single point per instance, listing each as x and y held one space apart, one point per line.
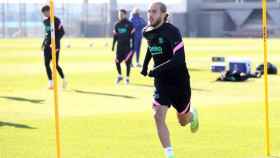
50 82
120 76
169 152
191 113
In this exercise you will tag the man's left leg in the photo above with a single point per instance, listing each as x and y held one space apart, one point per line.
189 116
182 103
128 61
60 71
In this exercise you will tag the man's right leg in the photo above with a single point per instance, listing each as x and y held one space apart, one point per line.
119 69
47 61
162 129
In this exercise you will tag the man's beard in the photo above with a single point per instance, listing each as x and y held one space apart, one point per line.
156 23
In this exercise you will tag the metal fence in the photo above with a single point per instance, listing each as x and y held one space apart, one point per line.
92 18
80 20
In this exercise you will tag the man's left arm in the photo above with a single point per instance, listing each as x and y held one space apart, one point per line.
59 29
177 44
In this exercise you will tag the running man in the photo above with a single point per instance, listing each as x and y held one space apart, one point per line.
171 77
46 46
123 36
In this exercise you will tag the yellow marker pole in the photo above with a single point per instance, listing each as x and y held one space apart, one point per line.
266 108
54 77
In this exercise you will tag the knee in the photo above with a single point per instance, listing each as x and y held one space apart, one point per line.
158 117
128 63
184 119
47 65
58 67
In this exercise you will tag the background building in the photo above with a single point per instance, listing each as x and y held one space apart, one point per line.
91 18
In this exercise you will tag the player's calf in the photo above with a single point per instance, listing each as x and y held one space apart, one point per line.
191 116
184 119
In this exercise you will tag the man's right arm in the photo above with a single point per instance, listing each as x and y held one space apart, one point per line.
114 38
45 41
147 60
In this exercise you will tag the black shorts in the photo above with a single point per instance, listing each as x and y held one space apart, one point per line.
124 56
179 96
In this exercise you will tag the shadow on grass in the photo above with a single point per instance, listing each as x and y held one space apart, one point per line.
104 94
141 85
195 69
15 125
200 90
21 99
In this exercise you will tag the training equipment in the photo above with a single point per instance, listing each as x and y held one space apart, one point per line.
240 65
266 107
106 44
271 69
233 76
218 64
55 91
64 84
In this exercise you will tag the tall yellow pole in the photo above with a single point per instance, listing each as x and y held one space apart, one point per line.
266 107
54 75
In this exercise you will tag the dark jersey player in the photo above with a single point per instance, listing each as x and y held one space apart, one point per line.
46 46
123 36
171 77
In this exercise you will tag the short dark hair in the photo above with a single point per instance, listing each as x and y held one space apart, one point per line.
45 8
123 11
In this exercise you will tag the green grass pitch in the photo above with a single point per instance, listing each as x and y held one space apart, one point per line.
102 120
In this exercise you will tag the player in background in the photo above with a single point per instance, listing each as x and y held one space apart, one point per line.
123 35
46 46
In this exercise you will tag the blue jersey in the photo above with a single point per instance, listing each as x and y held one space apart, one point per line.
138 23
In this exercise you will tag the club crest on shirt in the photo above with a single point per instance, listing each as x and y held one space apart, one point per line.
160 40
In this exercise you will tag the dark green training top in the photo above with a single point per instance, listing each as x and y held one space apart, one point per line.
59 32
166 47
